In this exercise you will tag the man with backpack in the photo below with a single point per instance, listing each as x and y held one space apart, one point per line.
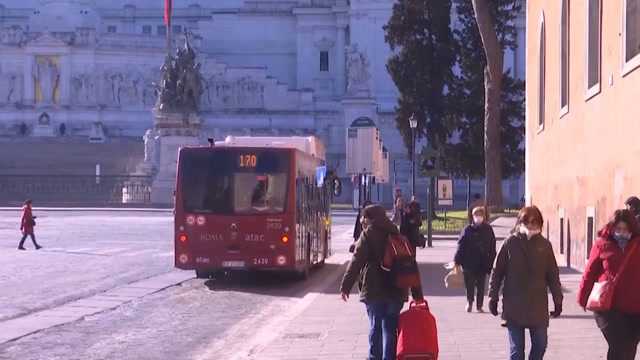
378 287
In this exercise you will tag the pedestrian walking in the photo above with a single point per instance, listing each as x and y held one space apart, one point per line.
615 257
633 205
476 254
27 224
357 229
411 223
526 269
398 207
383 300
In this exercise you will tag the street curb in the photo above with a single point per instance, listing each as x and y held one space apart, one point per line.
20 327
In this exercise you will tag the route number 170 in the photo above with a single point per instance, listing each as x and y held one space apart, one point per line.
248 161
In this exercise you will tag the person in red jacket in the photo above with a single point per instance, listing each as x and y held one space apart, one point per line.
621 325
27 224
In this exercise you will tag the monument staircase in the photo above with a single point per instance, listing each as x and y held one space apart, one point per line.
61 171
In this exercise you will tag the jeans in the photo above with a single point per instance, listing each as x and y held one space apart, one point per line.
475 283
383 329
622 332
516 342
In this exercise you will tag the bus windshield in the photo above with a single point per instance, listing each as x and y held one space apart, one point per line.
232 181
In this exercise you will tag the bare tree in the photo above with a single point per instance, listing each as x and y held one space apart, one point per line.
493 73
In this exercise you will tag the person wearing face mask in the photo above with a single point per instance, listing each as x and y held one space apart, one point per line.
618 242
525 268
476 253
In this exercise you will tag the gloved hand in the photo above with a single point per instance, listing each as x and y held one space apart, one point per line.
493 307
557 311
352 248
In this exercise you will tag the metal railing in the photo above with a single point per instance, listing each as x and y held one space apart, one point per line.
88 190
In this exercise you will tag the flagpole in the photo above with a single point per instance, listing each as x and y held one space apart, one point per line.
168 14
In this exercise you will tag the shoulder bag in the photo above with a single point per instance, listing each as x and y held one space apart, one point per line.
601 297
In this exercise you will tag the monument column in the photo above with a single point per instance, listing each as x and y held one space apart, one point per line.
65 80
28 80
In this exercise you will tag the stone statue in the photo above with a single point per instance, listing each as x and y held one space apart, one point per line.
13 35
47 75
181 86
149 146
116 87
357 70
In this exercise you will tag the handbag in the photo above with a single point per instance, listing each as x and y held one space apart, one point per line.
601 297
454 279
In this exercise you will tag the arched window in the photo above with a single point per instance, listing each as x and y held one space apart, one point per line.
541 74
564 57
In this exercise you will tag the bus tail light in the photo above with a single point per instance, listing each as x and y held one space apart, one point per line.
284 239
183 238
183 258
281 260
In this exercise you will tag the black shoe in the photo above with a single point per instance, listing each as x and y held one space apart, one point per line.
38 247
21 248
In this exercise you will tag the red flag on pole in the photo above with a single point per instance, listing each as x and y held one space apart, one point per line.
168 9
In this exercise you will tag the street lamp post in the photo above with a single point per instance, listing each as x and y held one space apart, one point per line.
413 124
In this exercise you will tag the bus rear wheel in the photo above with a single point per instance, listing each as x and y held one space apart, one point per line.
203 274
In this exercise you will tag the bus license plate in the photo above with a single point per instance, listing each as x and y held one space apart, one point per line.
233 264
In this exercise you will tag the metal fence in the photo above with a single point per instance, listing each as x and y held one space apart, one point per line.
79 190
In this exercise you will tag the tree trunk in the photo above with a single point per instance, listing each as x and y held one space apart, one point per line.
493 91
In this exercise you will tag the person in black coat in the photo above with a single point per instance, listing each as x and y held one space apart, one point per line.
476 254
411 223
357 229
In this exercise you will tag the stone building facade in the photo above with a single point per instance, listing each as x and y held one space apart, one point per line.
582 152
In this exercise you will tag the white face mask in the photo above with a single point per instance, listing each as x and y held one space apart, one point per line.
478 220
529 233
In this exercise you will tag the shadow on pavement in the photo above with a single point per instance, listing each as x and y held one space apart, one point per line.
271 283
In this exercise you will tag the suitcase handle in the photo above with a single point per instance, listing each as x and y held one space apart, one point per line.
422 304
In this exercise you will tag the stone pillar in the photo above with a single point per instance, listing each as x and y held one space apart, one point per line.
65 80
340 61
29 81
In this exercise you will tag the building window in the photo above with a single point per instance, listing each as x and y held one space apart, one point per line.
564 58
324 61
146 29
541 75
591 229
177 29
593 45
162 30
631 36
112 29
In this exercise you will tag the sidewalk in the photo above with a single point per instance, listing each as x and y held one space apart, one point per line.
331 329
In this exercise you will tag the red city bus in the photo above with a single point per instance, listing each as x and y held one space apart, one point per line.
252 204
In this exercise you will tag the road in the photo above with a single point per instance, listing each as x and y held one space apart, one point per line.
88 253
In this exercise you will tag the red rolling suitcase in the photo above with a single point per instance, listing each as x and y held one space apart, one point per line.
417 334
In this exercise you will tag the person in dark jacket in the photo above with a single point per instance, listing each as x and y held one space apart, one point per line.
27 224
357 229
621 325
525 268
476 253
633 205
382 299
411 223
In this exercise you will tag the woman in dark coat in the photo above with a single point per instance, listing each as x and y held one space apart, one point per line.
27 224
526 270
617 242
476 253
